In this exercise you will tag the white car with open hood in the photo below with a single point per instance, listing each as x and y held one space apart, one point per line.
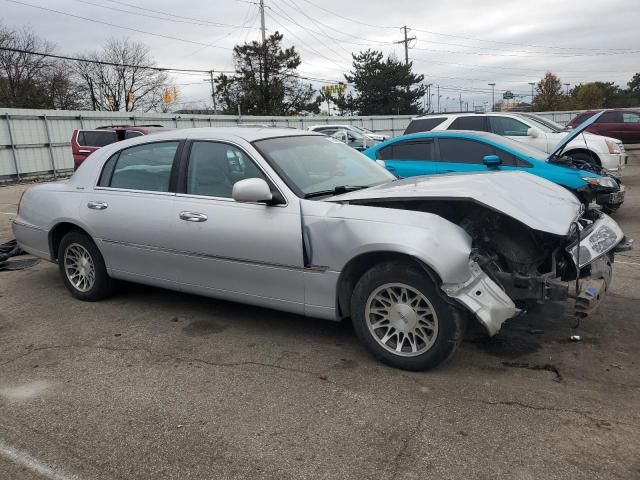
300 222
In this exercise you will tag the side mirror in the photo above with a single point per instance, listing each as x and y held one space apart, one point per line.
492 161
251 190
533 132
381 163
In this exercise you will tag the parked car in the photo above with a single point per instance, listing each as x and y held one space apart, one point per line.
601 151
352 138
620 123
376 137
300 222
85 142
440 152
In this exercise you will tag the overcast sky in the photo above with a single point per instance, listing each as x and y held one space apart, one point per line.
461 46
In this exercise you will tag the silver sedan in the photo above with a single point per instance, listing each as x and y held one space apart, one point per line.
300 222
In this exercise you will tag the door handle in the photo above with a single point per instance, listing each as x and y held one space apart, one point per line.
391 169
97 205
193 216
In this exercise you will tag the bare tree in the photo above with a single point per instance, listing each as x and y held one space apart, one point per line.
24 77
128 86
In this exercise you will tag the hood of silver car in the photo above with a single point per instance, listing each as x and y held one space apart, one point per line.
534 201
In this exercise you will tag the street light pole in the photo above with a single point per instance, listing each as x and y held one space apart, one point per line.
532 84
493 96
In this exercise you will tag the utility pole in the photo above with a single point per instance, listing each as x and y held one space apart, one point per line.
264 36
438 90
213 92
406 43
460 100
493 96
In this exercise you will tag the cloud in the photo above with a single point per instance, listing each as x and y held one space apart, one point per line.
460 45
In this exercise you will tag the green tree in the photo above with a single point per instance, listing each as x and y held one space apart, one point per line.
383 87
596 95
266 82
549 94
634 84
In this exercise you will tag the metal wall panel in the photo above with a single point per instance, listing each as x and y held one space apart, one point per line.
25 144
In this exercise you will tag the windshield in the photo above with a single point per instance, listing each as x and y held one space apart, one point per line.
544 124
361 129
520 147
314 164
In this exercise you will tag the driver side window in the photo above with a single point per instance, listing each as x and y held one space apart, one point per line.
215 167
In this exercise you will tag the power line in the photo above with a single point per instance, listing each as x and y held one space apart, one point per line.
349 19
299 39
112 64
146 15
159 69
282 12
318 25
120 26
172 15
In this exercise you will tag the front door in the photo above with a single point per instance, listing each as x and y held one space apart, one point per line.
517 130
244 251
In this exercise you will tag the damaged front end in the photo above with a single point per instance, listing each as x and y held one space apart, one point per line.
509 279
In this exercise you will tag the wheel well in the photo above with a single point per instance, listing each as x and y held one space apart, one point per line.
359 265
584 151
56 234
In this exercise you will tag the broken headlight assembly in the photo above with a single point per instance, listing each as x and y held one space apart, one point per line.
602 237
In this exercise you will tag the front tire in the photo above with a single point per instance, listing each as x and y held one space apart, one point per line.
401 317
82 268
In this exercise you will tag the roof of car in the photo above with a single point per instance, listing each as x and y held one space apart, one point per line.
463 114
249 134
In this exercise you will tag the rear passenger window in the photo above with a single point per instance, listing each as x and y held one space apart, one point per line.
423 124
144 167
414 150
462 150
477 123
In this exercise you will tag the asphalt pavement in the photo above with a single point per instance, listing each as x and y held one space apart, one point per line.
153 384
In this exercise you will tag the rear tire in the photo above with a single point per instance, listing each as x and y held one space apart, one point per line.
82 268
400 316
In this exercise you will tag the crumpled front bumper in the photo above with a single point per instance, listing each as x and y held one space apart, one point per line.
484 298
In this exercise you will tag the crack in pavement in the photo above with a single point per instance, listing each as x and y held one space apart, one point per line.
405 443
163 355
599 422
548 367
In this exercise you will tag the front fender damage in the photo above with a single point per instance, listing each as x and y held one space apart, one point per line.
484 298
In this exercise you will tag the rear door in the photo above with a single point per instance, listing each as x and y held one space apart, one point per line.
609 124
630 128
410 158
129 210
85 142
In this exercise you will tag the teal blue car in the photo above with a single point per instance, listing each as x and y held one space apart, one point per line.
444 152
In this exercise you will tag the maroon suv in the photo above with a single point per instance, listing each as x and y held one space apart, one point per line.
620 123
85 142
